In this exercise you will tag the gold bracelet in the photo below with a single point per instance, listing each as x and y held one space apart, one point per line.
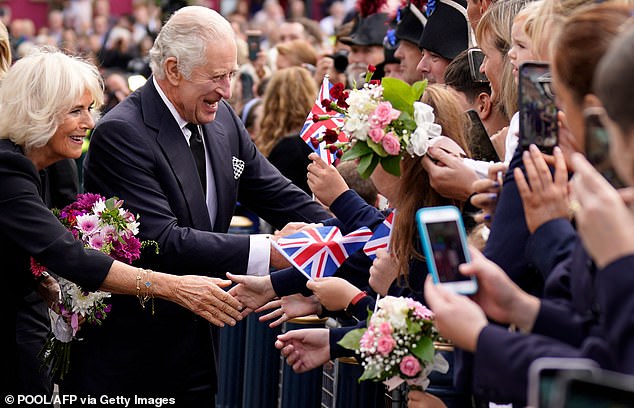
149 289
138 287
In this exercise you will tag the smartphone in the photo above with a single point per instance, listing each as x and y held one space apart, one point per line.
480 143
444 243
538 112
598 146
543 375
476 56
254 38
598 389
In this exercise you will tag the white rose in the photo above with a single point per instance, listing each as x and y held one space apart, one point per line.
357 128
396 309
426 129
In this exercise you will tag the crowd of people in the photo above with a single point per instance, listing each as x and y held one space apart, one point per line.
202 113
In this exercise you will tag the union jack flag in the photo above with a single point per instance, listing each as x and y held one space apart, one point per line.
313 129
381 237
318 252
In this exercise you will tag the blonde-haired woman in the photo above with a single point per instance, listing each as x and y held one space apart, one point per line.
289 97
46 99
5 50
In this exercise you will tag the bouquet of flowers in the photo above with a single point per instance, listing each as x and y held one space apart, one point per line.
103 225
398 344
382 120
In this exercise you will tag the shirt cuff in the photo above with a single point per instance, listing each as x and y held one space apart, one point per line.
259 255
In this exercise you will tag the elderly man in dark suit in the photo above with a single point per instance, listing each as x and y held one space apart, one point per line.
180 157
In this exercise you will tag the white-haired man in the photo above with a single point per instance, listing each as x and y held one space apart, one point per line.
179 156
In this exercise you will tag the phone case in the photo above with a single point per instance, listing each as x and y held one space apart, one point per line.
480 143
597 145
475 57
537 108
456 216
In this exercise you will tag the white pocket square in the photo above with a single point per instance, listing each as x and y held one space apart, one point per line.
238 167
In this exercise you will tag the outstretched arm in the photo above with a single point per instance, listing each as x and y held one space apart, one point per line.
304 349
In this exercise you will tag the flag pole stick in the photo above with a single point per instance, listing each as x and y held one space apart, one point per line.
378 295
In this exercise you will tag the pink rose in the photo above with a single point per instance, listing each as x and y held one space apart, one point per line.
391 144
424 312
376 134
386 345
367 340
410 366
420 310
385 328
384 114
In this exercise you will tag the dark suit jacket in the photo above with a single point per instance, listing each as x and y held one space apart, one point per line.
138 153
614 294
28 228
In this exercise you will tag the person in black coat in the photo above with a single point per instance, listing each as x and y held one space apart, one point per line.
142 151
46 100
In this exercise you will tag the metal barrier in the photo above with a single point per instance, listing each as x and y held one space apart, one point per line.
301 390
231 358
354 394
231 365
261 374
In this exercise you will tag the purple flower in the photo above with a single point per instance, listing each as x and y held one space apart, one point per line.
88 224
128 251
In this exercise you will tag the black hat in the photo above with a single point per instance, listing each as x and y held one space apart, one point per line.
447 31
368 30
411 24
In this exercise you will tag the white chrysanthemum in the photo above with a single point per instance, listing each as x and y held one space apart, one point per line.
133 227
83 302
426 129
99 206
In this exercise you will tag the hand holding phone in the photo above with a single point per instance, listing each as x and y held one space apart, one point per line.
538 112
597 141
444 243
476 57
254 38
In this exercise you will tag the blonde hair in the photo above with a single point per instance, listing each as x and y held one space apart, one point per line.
289 97
38 90
298 52
542 20
496 23
5 50
414 189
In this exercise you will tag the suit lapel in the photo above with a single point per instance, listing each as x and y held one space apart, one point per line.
174 146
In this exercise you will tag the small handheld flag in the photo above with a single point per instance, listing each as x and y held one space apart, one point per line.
315 130
318 252
381 237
